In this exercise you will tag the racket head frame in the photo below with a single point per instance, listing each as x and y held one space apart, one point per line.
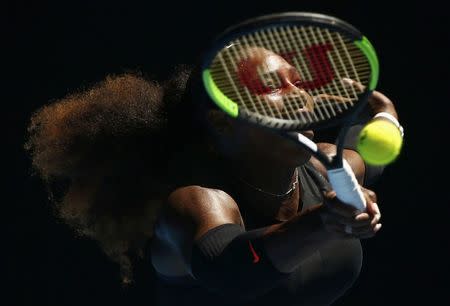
278 19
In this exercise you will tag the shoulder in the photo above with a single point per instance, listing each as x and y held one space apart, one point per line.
193 210
187 214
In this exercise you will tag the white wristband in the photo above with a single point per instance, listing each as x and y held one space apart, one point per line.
392 119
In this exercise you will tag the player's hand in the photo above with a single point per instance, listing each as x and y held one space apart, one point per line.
345 221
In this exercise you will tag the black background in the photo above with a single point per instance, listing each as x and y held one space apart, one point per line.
51 49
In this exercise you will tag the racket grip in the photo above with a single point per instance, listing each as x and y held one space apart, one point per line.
346 186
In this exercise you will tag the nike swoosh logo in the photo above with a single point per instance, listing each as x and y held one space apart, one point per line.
255 256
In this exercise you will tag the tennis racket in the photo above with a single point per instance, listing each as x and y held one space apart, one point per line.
289 72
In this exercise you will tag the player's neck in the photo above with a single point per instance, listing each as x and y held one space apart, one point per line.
269 176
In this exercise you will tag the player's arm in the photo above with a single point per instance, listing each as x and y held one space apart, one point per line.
366 174
378 102
206 229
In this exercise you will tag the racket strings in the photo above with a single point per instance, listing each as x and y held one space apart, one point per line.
292 100
321 57
288 107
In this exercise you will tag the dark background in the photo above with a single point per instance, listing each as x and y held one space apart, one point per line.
52 49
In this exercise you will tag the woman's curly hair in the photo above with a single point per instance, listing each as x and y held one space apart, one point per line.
104 151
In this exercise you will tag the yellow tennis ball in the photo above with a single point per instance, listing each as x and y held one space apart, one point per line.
379 142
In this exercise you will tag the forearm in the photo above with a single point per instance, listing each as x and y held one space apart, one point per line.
289 243
372 173
255 261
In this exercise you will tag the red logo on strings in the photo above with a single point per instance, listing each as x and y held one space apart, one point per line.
319 67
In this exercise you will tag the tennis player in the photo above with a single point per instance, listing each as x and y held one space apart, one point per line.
227 212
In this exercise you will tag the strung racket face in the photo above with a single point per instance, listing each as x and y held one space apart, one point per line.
288 71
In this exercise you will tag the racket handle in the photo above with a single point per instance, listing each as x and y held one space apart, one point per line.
347 189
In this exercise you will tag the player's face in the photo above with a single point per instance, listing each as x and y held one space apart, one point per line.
276 83
273 81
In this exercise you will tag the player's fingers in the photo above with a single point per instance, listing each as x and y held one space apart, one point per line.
320 98
352 83
371 206
335 206
367 232
374 210
369 195
361 220
378 101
